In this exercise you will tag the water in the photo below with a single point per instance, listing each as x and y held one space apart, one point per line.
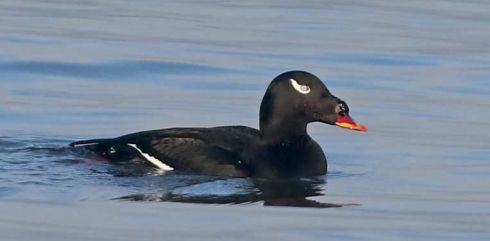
415 73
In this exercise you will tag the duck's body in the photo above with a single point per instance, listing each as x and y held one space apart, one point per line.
231 151
281 148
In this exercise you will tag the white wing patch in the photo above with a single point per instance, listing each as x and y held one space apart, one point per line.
303 89
153 160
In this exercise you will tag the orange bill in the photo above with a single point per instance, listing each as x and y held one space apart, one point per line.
345 121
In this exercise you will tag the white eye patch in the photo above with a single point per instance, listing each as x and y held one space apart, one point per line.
303 89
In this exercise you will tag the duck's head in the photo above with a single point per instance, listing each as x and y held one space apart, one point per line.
296 98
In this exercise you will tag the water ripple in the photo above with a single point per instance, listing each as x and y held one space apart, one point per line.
112 70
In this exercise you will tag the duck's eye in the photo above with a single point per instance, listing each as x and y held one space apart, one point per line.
342 109
342 106
303 89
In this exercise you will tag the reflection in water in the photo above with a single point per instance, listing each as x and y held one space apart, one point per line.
184 187
285 192
55 165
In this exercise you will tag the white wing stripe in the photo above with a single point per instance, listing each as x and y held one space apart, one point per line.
153 160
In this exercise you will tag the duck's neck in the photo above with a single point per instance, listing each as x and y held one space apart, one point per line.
279 124
282 131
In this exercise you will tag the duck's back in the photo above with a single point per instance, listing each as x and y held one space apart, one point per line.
215 151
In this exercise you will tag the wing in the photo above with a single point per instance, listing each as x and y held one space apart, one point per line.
214 151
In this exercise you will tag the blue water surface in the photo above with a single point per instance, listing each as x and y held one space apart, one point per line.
415 74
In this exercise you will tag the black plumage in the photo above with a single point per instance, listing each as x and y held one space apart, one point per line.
281 148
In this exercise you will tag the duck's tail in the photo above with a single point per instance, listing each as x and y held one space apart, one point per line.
89 142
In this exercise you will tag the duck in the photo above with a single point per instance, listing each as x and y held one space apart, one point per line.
280 148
